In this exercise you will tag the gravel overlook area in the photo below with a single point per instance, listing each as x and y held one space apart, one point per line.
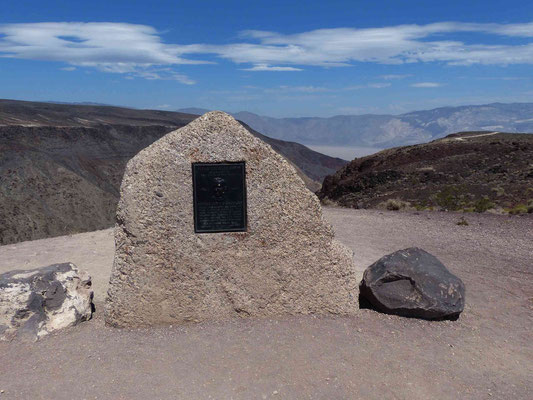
487 353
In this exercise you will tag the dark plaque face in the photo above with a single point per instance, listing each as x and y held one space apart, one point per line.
219 197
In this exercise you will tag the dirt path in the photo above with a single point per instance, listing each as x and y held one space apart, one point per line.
487 353
462 139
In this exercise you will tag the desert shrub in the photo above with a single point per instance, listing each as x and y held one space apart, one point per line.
450 198
498 190
518 209
422 204
497 210
462 222
483 205
394 204
326 201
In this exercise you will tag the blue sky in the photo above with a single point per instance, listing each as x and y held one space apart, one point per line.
276 58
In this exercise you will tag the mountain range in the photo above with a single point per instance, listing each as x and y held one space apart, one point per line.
383 131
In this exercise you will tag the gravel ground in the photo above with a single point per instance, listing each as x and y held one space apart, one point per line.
487 353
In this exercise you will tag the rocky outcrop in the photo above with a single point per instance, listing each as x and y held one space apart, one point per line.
283 261
413 283
36 302
472 171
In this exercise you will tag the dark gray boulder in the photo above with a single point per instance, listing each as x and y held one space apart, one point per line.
413 283
36 302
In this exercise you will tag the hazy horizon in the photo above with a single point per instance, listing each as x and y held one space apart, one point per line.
347 153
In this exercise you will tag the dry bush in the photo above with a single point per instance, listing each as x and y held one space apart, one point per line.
518 209
326 201
462 222
394 205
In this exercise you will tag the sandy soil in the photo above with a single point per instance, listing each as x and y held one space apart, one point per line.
487 353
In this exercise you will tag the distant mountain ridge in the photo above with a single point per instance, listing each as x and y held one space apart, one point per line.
79 103
313 164
384 131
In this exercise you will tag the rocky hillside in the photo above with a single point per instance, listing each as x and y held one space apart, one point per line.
61 165
472 171
35 114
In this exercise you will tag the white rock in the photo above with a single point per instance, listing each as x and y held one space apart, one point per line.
37 302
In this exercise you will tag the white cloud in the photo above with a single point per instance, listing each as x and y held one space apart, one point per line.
515 78
426 85
389 45
265 67
299 89
68 68
395 76
139 50
378 85
504 78
109 47
166 74
317 89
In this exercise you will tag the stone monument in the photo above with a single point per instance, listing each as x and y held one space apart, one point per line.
213 224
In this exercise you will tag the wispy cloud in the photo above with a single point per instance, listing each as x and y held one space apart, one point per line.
515 78
317 89
395 76
139 49
377 85
166 74
109 47
68 69
297 89
426 85
388 45
503 78
265 67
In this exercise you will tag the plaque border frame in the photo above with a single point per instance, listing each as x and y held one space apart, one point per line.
245 197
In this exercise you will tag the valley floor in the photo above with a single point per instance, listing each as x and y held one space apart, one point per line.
487 353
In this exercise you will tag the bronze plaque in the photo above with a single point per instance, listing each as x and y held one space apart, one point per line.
219 191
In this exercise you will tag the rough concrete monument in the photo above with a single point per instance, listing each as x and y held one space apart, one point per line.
213 224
